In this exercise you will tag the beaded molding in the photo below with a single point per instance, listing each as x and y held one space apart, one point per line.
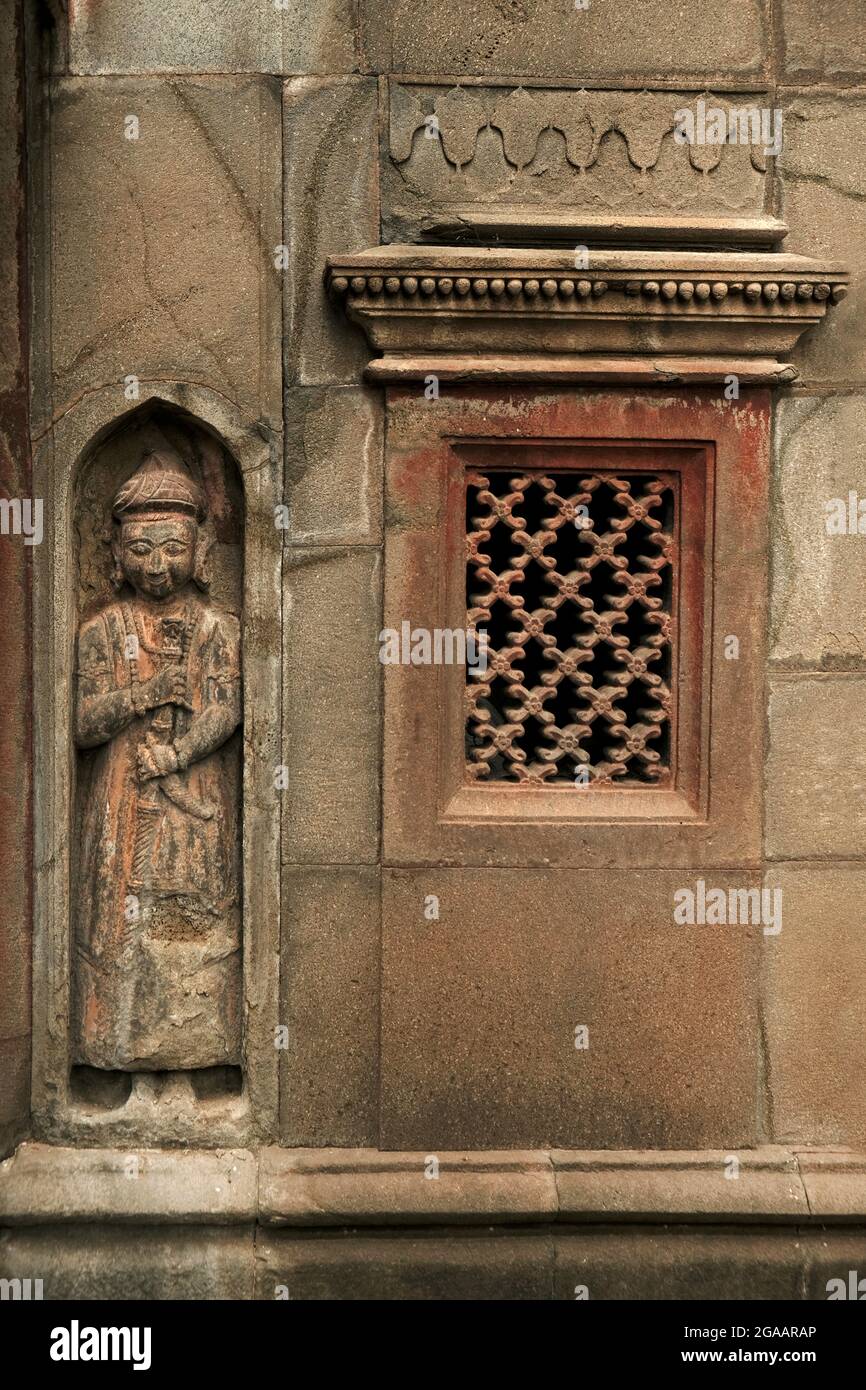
553 288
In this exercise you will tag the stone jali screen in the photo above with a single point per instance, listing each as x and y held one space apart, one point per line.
573 576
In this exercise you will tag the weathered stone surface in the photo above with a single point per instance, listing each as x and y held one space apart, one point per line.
191 36
647 1263
11 204
433 813
334 466
343 1186
331 201
330 985
755 1184
823 200
162 247
309 1188
480 1008
817 616
158 698
83 1263
832 1255
712 308
835 1184
553 38
332 685
408 1267
15 560
457 151
14 1090
813 1000
45 1183
816 768
212 36
163 1110
823 40
87 1262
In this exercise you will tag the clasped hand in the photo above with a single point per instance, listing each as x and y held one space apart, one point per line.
155 760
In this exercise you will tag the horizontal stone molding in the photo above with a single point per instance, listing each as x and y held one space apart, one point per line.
665 369
46 1185
530 227
532 307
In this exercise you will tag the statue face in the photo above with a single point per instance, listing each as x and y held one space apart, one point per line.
157 556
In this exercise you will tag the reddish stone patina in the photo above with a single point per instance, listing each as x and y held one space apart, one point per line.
158 931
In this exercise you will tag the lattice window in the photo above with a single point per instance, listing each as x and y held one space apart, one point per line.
573 576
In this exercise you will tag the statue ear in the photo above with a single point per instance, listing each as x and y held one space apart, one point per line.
204 542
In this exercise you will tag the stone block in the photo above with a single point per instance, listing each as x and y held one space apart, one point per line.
330 1006
553 38
831 1256
331 200
835 1184
481 1004
823 200
813 1006
162 247
47 1183
815 806
332 699
755 1184
823 40
170 1262
817 618
334 465
434 1267
14 1091
450 154
212 36
655 1263
352 1187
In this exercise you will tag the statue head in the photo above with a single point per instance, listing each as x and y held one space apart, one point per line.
159 544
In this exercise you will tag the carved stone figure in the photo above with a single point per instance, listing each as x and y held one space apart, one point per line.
157 959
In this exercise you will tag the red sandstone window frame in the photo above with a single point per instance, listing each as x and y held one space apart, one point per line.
712 818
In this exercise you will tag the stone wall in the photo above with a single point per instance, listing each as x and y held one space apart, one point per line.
16 861
813 995
192 166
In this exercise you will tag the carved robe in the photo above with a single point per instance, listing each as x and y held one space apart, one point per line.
158 969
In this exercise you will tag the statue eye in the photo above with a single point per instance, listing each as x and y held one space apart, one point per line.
139 547
176 548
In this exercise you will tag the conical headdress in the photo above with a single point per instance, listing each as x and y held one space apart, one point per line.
160 485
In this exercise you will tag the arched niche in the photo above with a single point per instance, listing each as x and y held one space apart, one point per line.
230 1095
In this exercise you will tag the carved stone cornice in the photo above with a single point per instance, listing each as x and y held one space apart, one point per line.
632 315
